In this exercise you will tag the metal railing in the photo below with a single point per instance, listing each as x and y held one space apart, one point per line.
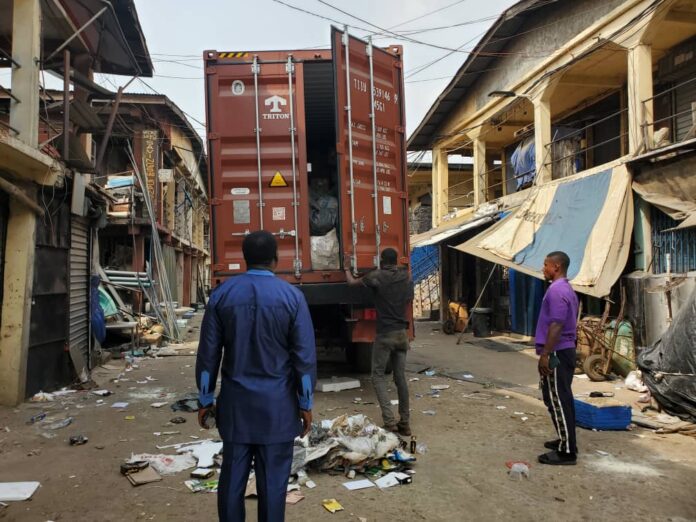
567 154
673 128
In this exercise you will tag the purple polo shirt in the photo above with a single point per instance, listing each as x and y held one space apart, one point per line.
560 305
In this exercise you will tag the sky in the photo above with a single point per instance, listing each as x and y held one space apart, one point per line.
178 31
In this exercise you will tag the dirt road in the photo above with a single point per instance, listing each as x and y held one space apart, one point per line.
462 477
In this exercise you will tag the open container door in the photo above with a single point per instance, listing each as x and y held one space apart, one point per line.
371 151
257 158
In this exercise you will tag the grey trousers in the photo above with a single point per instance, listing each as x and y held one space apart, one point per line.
391 346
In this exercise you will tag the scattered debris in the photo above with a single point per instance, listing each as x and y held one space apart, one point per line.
177 420
336 384
439 387
188 404
429 412
166 464
146 475
208 486
42 397
413 379
467 376
293 497
17 491
60 424
501 407
36 418
120 405
78 440
129 417
101 393
158 404
393 479
358 484
331 505
519 470
202 473
203 451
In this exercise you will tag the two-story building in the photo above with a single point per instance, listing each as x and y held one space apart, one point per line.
580 120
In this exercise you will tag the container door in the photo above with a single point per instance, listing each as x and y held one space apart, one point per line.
371 150
257 160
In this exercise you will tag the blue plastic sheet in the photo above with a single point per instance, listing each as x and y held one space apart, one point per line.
98 321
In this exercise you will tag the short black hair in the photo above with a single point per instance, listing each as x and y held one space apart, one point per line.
260 248
389 256
561 258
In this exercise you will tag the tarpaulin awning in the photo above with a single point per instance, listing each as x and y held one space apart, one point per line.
672 190
589 217
441 233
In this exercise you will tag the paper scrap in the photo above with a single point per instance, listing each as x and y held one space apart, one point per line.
390 479
293 497
467 376
158 404
16 491
358 484
332 505
119 405
438 387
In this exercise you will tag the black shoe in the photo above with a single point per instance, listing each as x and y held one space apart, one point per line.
404 429
552 444
554 458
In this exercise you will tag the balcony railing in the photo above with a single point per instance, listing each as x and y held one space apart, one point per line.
677 126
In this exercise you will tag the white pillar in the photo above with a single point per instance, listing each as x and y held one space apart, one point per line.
480 172
542 139
440 180
640 88
26 50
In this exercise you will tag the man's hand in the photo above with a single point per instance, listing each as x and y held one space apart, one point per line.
306 416
201 416
544 368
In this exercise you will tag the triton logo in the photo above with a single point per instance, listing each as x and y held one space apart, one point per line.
276 102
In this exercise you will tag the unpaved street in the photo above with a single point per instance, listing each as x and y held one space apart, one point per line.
462 477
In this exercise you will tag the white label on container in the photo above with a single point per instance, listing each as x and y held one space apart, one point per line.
234 266
241 212
278 213
240 191
386 205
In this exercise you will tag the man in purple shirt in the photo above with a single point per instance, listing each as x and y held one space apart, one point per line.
555 344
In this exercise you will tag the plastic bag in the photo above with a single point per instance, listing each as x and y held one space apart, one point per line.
325 252
323 212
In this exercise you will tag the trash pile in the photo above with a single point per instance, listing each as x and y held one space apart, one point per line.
355 445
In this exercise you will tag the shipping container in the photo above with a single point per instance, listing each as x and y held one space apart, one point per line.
310 145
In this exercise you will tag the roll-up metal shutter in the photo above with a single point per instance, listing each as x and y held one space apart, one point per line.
78 334
170 266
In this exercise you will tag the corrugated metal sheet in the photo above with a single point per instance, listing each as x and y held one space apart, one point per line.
78 334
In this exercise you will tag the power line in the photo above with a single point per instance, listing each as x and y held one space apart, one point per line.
428 14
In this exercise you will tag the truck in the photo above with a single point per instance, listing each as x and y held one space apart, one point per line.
310 146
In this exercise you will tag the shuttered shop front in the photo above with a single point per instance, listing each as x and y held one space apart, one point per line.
79 287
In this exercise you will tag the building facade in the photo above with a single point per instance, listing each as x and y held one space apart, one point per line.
592 103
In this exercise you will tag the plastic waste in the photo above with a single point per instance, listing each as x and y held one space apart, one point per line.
60 424
421 448
78 440
326 251
323 211
518 471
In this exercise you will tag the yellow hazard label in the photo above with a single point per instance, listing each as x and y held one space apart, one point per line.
234 55
278 180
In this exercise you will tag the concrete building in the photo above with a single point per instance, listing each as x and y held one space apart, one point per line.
48 205
589 102
170 154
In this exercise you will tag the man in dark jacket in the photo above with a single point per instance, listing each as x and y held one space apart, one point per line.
260 328
393 291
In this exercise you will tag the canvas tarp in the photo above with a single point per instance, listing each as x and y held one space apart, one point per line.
589 217
672 191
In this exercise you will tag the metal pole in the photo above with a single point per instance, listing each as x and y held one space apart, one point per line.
109 128
76 33
349 112
375 195
256 68
298 263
